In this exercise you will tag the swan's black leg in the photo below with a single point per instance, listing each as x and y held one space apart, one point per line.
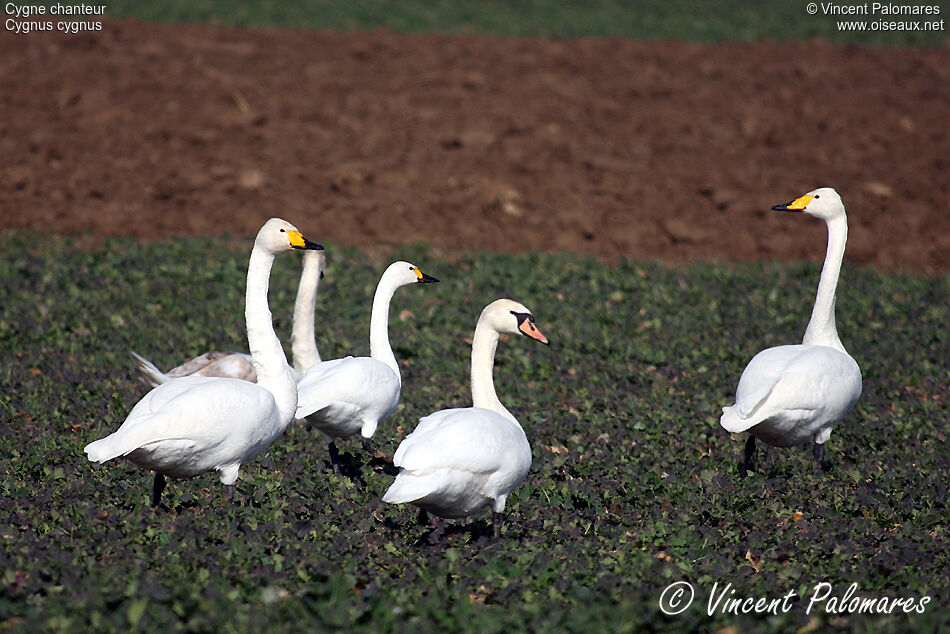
819 452
496 520
747 455
158 485
377 454
433 527
229 492
334 457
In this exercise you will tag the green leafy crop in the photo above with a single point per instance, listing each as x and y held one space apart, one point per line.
634 485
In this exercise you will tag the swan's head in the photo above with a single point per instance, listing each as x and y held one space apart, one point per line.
279 235
509 317
403 273
824 203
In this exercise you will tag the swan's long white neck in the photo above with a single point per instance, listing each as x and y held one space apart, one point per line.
484 344
273 373
379 347
821 330
302 341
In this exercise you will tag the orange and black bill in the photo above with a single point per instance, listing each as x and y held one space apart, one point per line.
798 204
297 241
528 328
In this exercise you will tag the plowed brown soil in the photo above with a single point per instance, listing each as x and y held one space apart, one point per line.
652 150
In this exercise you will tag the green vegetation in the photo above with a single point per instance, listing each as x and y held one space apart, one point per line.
634 484
649 19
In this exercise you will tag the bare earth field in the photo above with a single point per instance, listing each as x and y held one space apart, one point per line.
646 150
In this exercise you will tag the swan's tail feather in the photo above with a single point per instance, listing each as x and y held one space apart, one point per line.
102 450
733 422
406 489
748 410
148 373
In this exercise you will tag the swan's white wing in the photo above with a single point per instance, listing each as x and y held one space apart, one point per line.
798 384
468 439
226 418
458 460
351 383
759 378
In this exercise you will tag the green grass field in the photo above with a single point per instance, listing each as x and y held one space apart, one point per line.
650 19
634 484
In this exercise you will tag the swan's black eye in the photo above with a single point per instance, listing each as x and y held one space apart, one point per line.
817 196
282 230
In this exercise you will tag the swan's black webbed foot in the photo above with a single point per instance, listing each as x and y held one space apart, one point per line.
747 456
377 454
334 457
819 453
158 485
496 522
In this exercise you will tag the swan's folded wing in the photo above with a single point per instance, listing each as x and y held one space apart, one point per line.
357 381
467 439
794 382
166 394
747 411
206 411
756 384
236 365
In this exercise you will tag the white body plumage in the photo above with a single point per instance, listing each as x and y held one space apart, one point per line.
790 395
458 461
349 396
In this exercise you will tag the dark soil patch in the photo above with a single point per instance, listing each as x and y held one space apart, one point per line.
651 150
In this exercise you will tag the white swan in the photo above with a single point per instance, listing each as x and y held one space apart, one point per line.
195 424
789 395
238 365
350 396
460 460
